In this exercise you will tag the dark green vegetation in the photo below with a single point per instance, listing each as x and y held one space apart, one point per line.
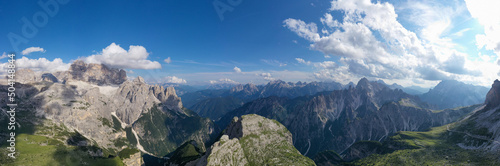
164 130
328 157
42 150
187 152
127 152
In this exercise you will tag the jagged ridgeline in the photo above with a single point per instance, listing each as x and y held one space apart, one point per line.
93 115
337 119
472 140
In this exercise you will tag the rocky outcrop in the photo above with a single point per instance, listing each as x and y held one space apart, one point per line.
134 160
98 74
493 96
254 140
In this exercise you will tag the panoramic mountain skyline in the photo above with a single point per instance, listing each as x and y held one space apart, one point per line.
403 42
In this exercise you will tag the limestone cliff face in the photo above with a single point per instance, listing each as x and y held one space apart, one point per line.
254 140
96 73
132 98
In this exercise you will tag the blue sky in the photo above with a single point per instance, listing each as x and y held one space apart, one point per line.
259 41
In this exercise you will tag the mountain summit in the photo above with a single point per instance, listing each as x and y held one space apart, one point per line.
451 94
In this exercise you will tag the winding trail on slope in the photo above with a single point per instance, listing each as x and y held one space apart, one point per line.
472 135
138 146
309 142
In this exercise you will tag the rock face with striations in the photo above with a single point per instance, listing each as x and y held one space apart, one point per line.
254 140
96 73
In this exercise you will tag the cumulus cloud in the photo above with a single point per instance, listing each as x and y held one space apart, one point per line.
300 60
486 12
307 31
223 81
237 69
32 49
117 57
266 76
174 80
42 64
373 43
168 60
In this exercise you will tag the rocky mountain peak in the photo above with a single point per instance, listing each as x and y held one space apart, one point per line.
98 74
493 96
139 79
363 84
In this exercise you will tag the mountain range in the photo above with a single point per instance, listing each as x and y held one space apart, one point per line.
335 120
93 115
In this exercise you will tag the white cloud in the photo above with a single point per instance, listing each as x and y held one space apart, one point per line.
168 60
117 57
42 64
223 81
487 13
237 69
326 65
4 55
267 76
373 43
300 60
461 32
32 49
307 31
174 80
